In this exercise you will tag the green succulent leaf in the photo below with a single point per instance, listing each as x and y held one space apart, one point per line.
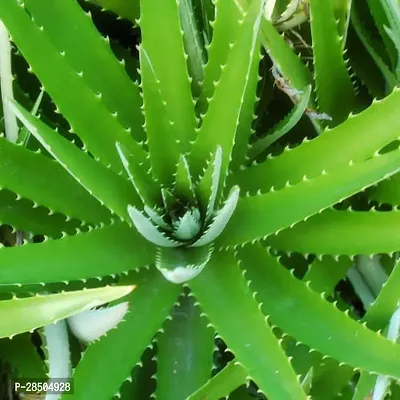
226 104
111 80
207 188
26 314
221 287
342 10
95 124
285 59
324 274
283 127
364 386
143 183
150 304
193 42
25 137
377 317
223 383
288 302
148 230
22 214
31 171
168 198
387 191
372 45
362 133
332 79
248 113
113 190
220 220
168 64
185 350
226 29
386 14
317 194
341 232
83 256
378 314
164 154
183 182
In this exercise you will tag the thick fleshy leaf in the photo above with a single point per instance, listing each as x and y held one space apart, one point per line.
141 179
316 194
387 191
226 104
118 92
207 188
332 80
221 219
140 383
148 230
247 114
226 28
21 315
194 44
122 348
105 251
341 232
111 189
165 52
164 154
96 126
183 185
22 214
324 274
377 317
223 383
289 303
30 175
386 14
225 297
342 10
362 134
185 352
378 314
285 59
371 43
282 127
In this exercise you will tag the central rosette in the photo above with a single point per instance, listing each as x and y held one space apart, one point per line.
184 221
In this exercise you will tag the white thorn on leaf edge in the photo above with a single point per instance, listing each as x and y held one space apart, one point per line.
91 324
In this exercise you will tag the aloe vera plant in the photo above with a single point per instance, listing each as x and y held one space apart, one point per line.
237 187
